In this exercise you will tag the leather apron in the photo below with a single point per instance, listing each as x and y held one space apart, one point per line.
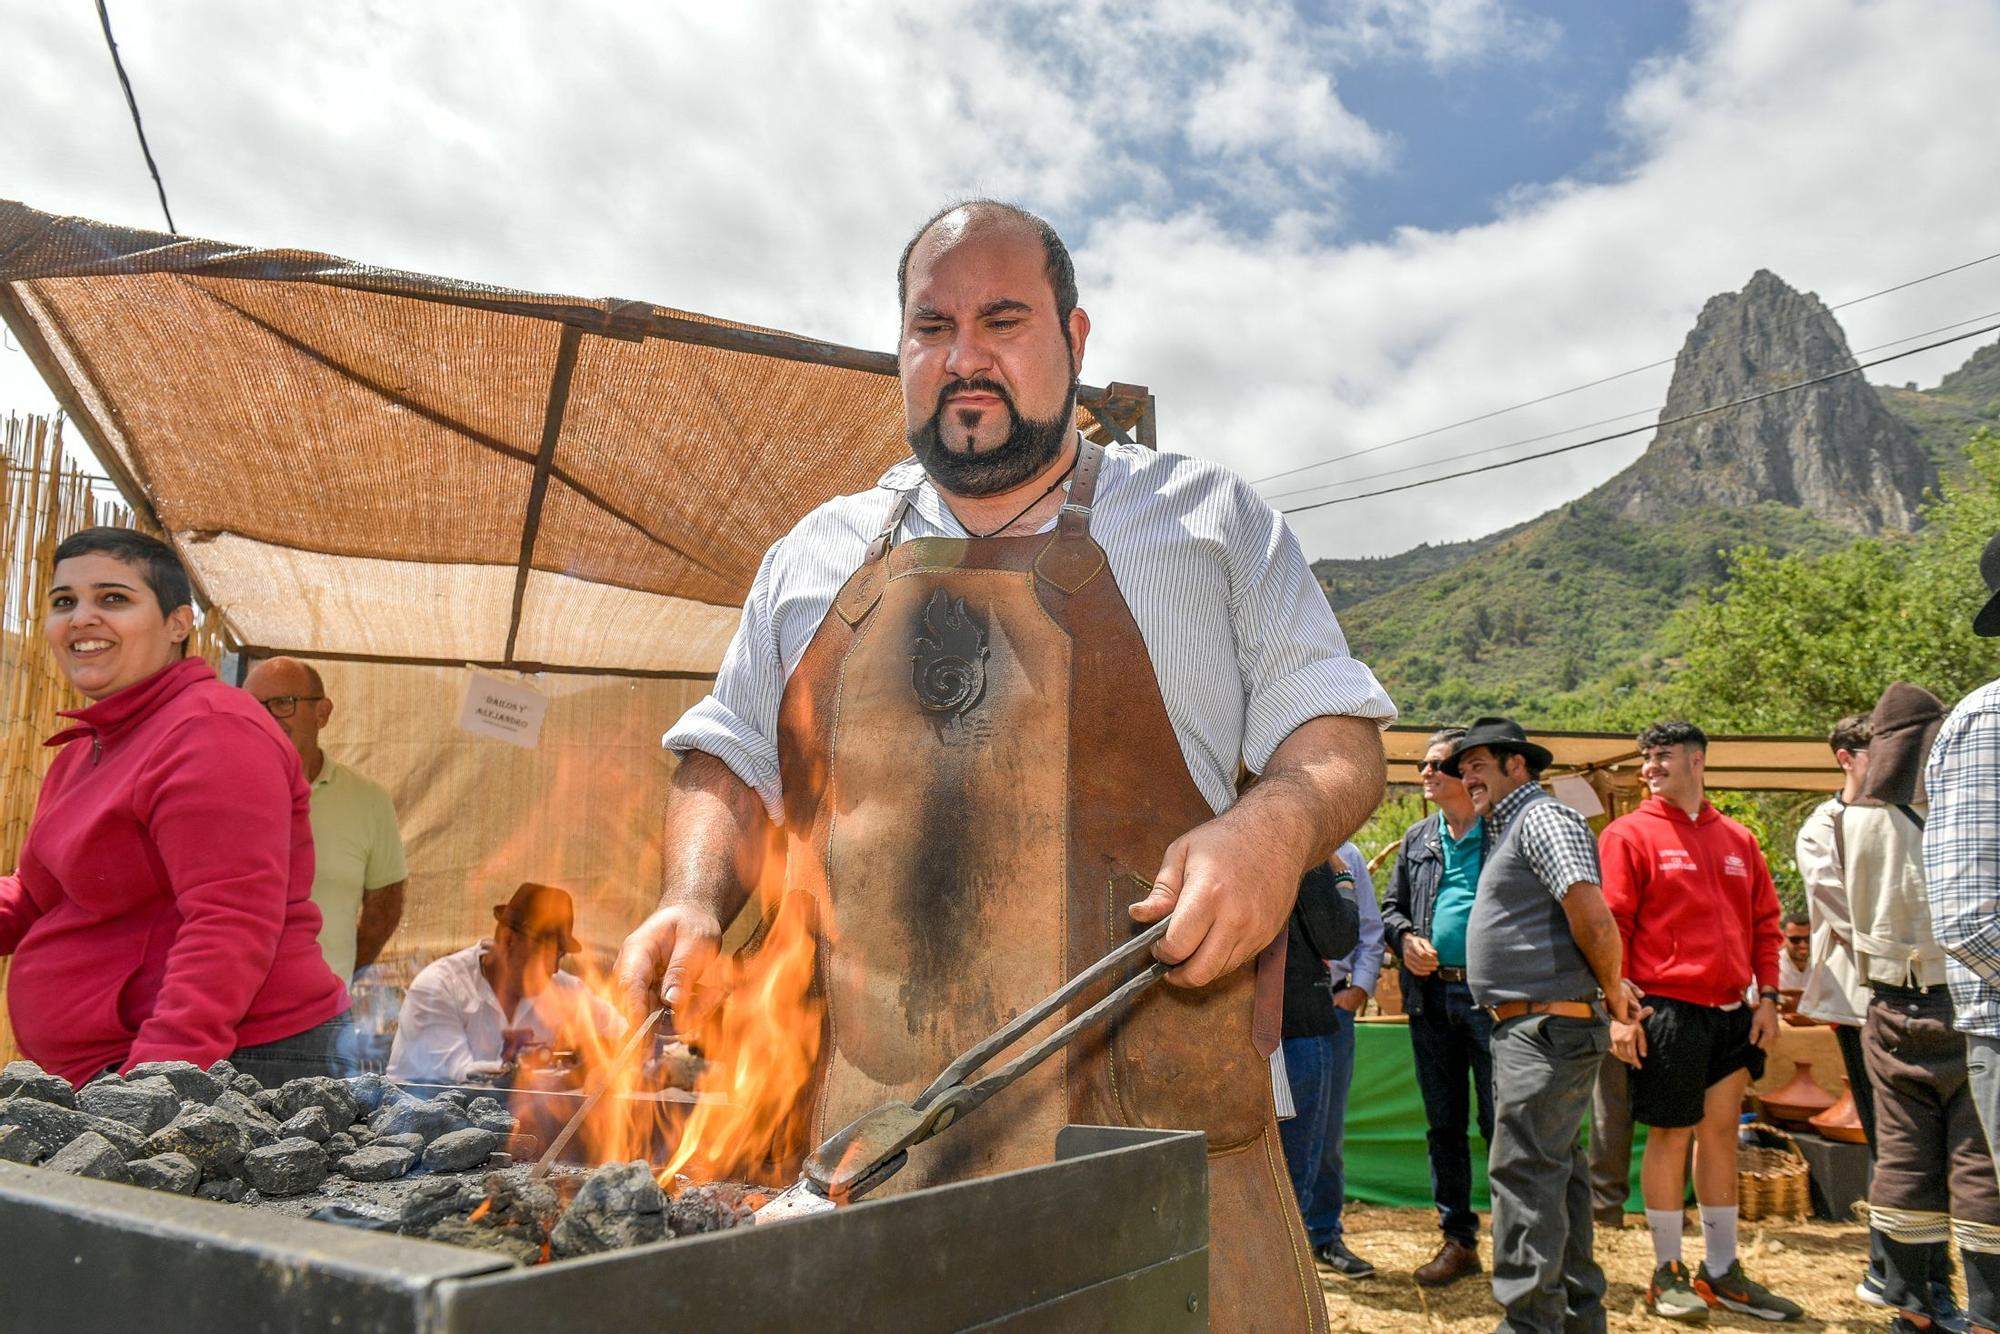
977 764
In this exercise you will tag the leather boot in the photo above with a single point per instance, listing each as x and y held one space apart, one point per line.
1453 1262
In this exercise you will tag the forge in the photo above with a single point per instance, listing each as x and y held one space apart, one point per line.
1110 1235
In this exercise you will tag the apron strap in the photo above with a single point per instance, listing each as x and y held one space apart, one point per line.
1072 559
863 588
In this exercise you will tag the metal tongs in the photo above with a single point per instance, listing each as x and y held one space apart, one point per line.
874 1147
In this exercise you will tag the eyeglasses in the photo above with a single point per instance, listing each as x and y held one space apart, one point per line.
284 706
1431 767
1798 940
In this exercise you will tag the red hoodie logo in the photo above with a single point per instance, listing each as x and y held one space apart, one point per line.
1735 865
1676 859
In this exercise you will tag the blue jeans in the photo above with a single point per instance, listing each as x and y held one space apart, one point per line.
1451 1039
1321 1071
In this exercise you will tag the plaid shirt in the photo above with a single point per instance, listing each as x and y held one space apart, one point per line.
1556 841
1962 856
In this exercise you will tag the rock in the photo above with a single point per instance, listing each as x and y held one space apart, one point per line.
339 1145
224 1072
18 1146
25 1079
289 1167
414 1143
247 1085
480 1237
490 1115
713 1206
145 1104
360 1133
174 1172
53 1124
458 1098
214 1141
376 1163
319 1091
270 1104
193 1083
461 1150
90 1155
496 1160
429 1119
436 1199
258 1128
310 1123
620 1205
367 1092
227 1190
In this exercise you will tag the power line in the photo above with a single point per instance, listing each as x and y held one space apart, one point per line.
1591 384
104 18
1584 426
1671 421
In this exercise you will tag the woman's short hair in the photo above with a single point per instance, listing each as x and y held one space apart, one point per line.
155 560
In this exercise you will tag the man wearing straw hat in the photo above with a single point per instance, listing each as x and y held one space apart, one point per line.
1933 1175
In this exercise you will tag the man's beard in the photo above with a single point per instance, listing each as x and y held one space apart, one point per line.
1030 447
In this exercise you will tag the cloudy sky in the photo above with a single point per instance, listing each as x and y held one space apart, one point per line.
1312 228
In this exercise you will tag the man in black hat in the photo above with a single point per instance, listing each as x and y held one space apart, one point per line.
1543 957
1933 1176
1962 864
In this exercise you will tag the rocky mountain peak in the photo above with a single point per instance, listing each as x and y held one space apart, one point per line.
1832 449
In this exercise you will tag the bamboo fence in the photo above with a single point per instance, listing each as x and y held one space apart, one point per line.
44 497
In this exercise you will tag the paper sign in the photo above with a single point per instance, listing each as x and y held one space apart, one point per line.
1577 794
505 710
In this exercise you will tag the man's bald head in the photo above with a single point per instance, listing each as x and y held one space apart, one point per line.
975 217
296 697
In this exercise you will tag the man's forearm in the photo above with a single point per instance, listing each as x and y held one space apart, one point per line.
1596 934
1321 784
381 910
714 838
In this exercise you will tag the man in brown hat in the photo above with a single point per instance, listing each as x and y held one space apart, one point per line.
1933 1175
984 696
470 1013
1543 957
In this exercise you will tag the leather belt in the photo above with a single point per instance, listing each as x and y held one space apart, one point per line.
1446 974
1569 1009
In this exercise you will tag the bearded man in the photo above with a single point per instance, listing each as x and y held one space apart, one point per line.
989 699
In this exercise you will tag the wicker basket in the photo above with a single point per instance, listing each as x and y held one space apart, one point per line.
1771 1180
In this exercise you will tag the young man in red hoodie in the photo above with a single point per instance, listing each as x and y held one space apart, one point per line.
1699 915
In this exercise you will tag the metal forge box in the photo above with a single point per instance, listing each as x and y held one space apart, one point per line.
1113 1235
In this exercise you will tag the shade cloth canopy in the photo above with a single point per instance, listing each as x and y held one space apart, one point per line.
383 465
1611 760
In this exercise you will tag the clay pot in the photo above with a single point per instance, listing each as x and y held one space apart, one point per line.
1794 1105
1842 1121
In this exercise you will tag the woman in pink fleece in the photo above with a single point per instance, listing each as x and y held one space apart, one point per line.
162 907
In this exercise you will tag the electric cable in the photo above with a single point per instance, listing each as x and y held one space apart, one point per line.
104 18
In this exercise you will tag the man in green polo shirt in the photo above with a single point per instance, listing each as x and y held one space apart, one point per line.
358 872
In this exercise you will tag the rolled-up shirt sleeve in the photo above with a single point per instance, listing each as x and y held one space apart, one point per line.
738 721
1289 644
1962 841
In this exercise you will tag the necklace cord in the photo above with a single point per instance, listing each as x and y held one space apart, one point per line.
1061 477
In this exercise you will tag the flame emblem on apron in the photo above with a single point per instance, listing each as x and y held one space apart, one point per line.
948 668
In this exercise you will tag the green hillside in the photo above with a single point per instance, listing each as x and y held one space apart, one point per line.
1552 621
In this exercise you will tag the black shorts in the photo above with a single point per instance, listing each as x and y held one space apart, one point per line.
1689 1048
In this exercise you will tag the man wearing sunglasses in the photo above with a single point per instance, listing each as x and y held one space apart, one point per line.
358 866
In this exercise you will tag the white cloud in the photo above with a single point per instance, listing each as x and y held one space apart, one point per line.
764 161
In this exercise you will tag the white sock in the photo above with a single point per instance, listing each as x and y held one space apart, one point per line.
1718 1237
1665 1225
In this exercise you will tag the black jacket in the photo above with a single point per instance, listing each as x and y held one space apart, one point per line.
1325 908
1412 895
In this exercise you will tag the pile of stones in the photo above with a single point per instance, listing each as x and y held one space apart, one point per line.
219 1134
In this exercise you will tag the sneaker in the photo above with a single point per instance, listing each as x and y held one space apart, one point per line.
1732 1291
1671 1297
1335 1256
1869 1290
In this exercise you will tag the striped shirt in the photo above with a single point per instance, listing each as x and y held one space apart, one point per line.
1240 634
1962 857
1555 840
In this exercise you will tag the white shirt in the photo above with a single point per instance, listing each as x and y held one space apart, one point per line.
451 1018
1834 991
1240 634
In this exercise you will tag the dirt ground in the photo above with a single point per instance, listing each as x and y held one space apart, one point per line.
1815 1264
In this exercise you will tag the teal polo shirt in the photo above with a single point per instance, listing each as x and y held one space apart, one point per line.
1463 858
